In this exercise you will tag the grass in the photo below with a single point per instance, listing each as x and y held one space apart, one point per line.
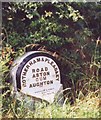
88 106
85 107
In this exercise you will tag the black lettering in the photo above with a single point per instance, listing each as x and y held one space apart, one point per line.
57 76
44 78
27 66
52 63
30 63
37 70
51 82
56 72
37 79
24 73
37 74
38 59
46 68
42 69
48 73
25 69
34 85
42 59
44 82
56 69
30 86
23 81
54 66
23 77
37 84
40 74
47 82
33 70
44 74
33 75
47 60
34 61
24 85
41 84
57 79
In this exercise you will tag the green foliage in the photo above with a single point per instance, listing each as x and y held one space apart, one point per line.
73 30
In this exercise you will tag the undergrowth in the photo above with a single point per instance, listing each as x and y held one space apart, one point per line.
85 105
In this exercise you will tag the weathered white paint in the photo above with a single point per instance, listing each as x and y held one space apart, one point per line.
40 77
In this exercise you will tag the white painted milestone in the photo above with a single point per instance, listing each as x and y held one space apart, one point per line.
40 77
